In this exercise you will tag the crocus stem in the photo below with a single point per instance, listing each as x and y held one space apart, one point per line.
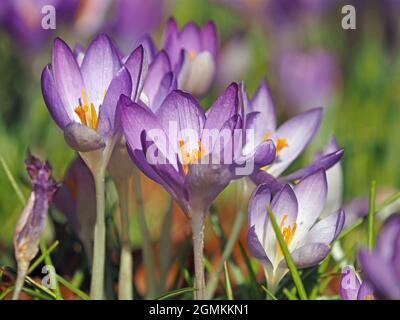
198 245
125 291
148 258
22 270
237 226
97 281
165 246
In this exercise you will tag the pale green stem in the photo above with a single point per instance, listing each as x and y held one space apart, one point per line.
237 226
165 246
148 258
97 281
22 270
197 220
125 291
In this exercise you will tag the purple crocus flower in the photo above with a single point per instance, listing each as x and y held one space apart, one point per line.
193 183
297 211
191 154
307 79
381 267
82 99
290 138
32 220
352 288
193 54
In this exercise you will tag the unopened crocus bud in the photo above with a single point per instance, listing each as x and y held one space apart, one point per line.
31 223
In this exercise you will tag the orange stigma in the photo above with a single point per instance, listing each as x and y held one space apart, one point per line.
192 55
87 112
190 158
287 233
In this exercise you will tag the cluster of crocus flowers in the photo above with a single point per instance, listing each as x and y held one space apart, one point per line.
297 211
381 267
352 287
32 220
143 105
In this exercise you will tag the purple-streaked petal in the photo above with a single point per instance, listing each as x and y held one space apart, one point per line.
265 123
109 121
254 244
326 230
67 76
137 65
167 84
349 284
183 111
311 194
298 133
157 70
379 274
261 176
189 37
223 108
149 47
257 211
53 100
285 204
171 29
308 255
209 38
386 242
99 67
324 163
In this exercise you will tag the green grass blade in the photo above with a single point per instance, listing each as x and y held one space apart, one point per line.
388 201
252 274
49 262
269 293
175 293
289 261
228 285
289 294
71 287
371 216
14 184
346 232
39 260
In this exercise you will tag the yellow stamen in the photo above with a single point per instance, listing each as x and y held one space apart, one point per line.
281 143
287 233
190 158
87 112
266 136
192 55
369 297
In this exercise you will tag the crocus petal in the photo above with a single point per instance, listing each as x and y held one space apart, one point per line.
198 74
167 85
171 29
223 108
255 246
298 133
109 122
311 194
257 211
265 123
137 65
326 230
99 66
149 47
67 77
209 38
385 244
261 176
349 283
284 206
366 292
380 275
53 100
180 109
157 70
189 37
308 255
324 163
